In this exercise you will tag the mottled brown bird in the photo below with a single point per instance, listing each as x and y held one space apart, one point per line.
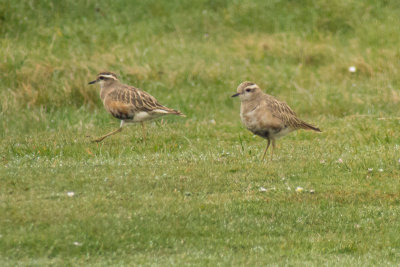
127 103
266 116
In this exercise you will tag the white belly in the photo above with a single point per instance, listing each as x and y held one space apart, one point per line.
145 116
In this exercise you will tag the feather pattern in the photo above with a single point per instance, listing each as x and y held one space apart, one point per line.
127 103
266 116
283 112
124 102
137 100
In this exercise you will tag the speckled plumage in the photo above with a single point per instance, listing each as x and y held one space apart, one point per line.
128 103
266 116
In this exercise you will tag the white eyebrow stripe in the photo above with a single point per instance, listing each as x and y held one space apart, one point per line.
252 86
107 76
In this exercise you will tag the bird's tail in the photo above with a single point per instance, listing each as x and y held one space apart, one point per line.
307 126
178 113
166 110
174 112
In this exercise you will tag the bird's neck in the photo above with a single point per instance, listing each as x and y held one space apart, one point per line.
248 105
105 88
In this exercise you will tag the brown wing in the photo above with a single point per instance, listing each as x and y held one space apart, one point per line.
128 100
145 102
283 112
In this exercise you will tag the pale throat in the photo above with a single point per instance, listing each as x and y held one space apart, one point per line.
101 84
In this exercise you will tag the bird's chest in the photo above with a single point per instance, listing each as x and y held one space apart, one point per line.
250 119
262 122
254 118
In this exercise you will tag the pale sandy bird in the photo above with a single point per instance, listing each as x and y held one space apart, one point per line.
266 116
127 103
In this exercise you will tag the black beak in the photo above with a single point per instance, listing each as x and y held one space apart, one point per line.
235 95
92 82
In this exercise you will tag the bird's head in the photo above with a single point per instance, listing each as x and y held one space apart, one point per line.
247 91
104 78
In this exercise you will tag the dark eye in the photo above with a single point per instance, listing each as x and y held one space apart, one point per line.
248 90
101 78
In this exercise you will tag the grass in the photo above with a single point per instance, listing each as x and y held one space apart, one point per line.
189 194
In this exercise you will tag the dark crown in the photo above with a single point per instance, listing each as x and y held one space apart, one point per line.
105 74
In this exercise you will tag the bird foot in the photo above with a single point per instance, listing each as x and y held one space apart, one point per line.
98 140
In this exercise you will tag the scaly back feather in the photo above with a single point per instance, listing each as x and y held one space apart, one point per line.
138 100
283 112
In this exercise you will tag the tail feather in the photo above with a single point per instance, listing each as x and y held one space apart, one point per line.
174 112
308 126
177 112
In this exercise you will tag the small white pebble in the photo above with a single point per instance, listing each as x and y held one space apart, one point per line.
77 244
352 69
70 194
340 160
370 169
380 170
262 189
299 189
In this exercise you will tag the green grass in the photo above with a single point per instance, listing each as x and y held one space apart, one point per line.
189 194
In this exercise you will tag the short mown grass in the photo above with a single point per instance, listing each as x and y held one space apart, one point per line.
189 194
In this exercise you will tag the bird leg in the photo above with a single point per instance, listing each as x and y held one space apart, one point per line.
273 148
269 142
111 133
143 130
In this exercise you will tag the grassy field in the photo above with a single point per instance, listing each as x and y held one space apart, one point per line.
190 193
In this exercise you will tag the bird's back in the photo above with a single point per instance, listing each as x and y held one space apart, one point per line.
285 114
124 102
267 116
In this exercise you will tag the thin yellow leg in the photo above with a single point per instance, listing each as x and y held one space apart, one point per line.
269 142
144 131
111 133
273 149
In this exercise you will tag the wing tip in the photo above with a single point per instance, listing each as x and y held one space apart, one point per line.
306 126
178 113
170 111
310 127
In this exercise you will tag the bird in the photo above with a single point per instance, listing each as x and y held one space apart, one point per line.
128 103
266 116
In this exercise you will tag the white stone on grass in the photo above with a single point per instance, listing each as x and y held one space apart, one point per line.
352 69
